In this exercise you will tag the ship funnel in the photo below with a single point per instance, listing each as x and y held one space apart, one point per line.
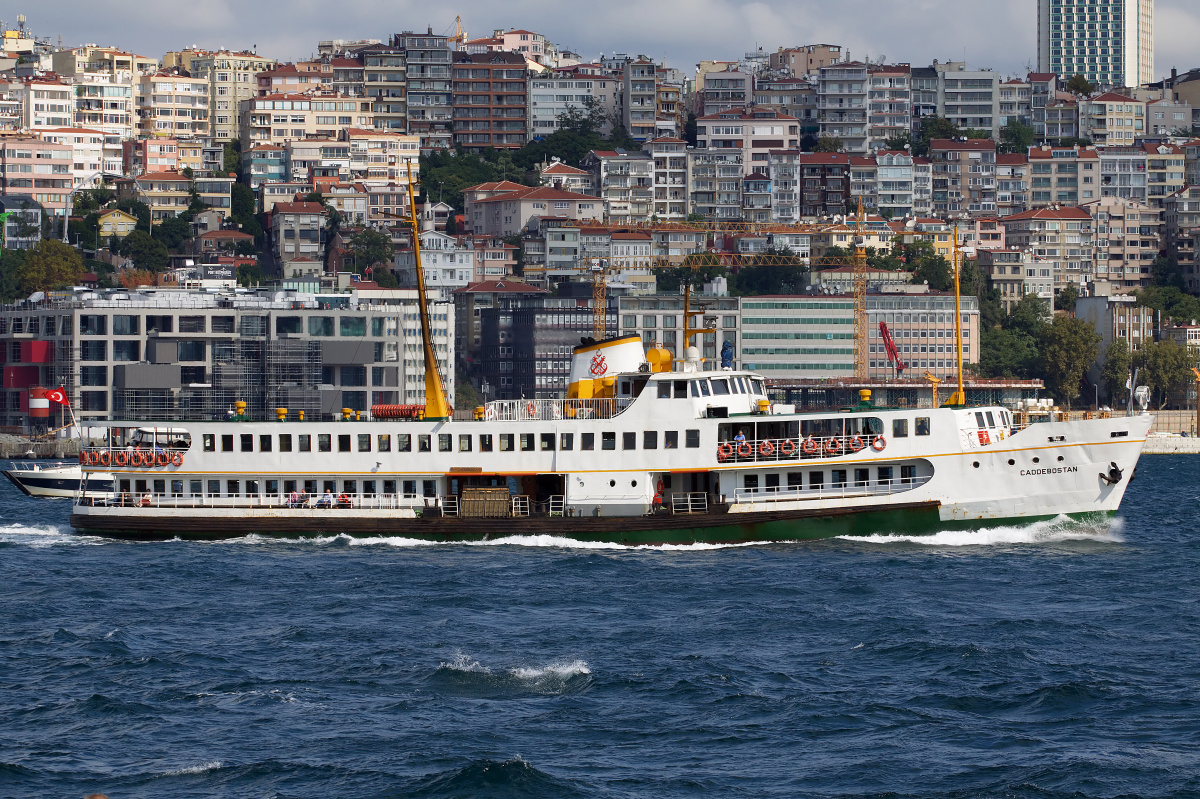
595 366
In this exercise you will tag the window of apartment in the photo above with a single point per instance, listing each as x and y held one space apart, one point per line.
162 324
353 326
191 324
220 324
126 325
191 350
92 325
320 325
93 350
93 375
288 325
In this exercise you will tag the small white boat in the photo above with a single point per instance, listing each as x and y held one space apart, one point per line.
58 479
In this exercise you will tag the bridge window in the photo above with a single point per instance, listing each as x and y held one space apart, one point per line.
485 442
900 428
629 441
671 438
587 441
922 426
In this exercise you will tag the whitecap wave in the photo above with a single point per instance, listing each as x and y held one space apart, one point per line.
199 768
46 535
1054 531
466 664
531 541
561 671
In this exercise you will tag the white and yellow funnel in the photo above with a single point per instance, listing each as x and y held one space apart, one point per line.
594 367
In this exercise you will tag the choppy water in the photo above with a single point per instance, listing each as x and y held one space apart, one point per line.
1052 660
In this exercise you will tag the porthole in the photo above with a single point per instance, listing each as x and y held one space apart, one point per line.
1011 462
612 483
975 464
633 483
1037 460
1061 459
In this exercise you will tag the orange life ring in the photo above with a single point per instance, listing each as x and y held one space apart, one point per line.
856 443
725 451
788 447
135 458
531 408
745 450
833 445
163 458
658 489
121 458
810 446
83 457
766 448
177 458
91 457
105 458
878 444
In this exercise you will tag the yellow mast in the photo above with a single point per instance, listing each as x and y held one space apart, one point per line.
959 397
436 406
860 294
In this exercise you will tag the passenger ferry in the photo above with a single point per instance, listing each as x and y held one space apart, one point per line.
639 452
664 456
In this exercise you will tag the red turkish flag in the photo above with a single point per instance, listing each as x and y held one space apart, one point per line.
58 395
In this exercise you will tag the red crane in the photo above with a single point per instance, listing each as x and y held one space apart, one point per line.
892 352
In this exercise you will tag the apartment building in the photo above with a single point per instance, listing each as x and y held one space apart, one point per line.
784 171
805 60
80 62
170 104
842 105
46 102
1060 120
964 176
1127 241
490 100
507 213
825 187
553 94
297 231
1168 117
1063 175
752 134
728 90
21 227
889 102
1181 217
639 108
150 155
670 201
280 118
385 73
714 182
796 97
490 297
175 354
167 193
1113 317
102 103
349 75
1165 171
1123 173
382 157
1061 240
264 163
566 177
305 77
38 171
232 79
1111 44
429 92
894 190
1016 102
1112 118
670 87
1012 183
969 98
88 146
1005 269
624 182
864 182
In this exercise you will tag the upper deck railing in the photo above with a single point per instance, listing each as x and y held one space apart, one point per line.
546 409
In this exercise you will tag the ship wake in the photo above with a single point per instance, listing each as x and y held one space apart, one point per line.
1062 529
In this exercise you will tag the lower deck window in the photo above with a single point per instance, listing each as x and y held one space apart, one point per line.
885 475
750 482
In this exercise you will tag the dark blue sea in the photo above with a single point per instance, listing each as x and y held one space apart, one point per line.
1052 660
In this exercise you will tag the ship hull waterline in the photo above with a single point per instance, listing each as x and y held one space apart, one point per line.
918 518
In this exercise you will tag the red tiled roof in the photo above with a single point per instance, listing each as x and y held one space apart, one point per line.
1049 213
300 208
1112 97
559 168
1011 159
499 286
504 185
543 193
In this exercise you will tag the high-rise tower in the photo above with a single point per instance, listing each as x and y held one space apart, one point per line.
1110 42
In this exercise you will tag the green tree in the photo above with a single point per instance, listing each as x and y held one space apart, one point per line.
828 144
250 274
11 262
899 142
1167 272
1173 303
386 278
49 265
1166 367
147 252
1008 353
586 119
934 128
1116 370
371 247
1017 137
1068 346
1080 86
1064 300
173 232
233 157
241 210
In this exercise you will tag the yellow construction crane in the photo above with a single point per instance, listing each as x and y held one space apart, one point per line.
933 382
436 406
1196 372
959 397
860 293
